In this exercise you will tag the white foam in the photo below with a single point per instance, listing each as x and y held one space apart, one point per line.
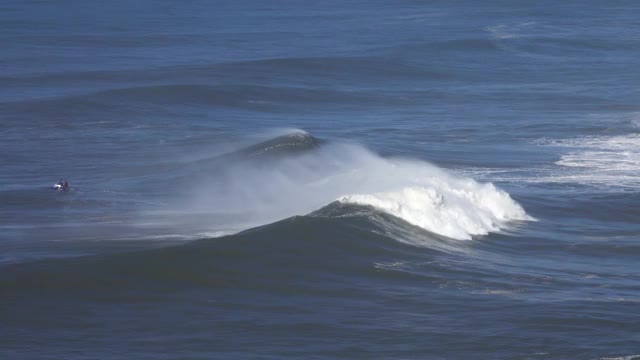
616 153
418 192
458 208
605 160
628 357
510 31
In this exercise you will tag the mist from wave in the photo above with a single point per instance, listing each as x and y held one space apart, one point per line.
296 183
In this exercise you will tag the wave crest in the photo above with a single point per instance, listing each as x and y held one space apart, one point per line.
414 191
455 213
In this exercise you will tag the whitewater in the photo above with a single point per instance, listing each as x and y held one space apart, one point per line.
296 184
323 180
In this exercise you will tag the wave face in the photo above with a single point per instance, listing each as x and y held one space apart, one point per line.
337 238
297 183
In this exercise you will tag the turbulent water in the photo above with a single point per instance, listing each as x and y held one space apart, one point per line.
273 180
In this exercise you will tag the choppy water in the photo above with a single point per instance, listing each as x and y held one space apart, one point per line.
386 179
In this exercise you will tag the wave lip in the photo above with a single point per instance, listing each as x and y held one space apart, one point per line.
460 213
295 141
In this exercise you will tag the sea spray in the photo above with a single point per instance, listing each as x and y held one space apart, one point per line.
297 183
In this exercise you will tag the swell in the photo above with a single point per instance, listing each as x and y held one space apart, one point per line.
253 84
471 45
312 253
235 96
223 83
309 67
586 44
344 241
354 66
311 72
248 97
568 48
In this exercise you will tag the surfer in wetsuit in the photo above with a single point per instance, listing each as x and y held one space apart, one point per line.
65 185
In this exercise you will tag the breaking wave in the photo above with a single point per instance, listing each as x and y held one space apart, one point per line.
459 213
305 174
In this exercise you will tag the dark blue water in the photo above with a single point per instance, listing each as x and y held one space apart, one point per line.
381 179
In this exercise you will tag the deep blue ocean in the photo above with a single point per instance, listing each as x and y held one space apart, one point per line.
320 180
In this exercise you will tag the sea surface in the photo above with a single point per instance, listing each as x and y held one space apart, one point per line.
320 180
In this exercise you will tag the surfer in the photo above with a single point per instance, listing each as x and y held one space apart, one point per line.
61 185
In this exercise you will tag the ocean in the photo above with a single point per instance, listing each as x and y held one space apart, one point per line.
320 180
